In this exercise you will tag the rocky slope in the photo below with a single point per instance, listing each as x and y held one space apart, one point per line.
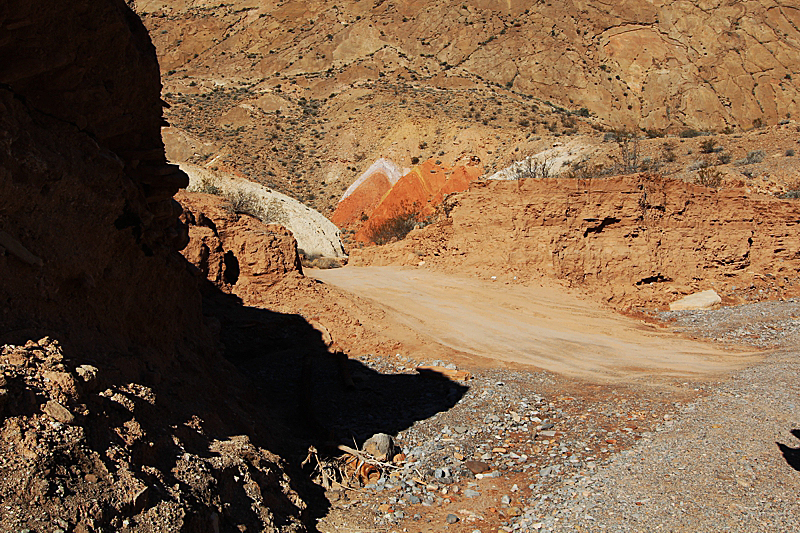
645 63
632 241
316 235
301 82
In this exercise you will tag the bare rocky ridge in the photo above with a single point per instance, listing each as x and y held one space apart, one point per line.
316 235
304 97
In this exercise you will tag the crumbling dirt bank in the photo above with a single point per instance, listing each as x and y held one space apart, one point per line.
631 241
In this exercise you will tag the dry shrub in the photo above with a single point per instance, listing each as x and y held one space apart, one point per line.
396 226
709 177
530 168
792 191
244 202
323 263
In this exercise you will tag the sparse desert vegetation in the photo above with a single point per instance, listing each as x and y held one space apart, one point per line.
594 328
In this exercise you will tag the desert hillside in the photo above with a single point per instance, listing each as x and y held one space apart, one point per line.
178 361
304 96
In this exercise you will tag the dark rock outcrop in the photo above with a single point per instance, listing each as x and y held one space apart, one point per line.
116 409
90 228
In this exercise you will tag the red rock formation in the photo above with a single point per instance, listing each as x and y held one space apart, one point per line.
631 240
376 199
362 201
236 252
419 192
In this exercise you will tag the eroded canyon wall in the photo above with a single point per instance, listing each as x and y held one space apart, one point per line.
631 240
90 228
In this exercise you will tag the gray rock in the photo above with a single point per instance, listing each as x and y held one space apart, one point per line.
441 473
380 446
58 412
451 519
469 493
413 499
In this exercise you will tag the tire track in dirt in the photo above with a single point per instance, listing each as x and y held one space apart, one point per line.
545 327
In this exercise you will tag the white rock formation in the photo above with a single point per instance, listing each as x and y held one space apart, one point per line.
316 235
698 300
388 167
556 160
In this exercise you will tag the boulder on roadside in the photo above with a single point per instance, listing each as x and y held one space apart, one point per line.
380 446
698 300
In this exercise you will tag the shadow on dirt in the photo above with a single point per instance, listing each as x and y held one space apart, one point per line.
169 432
323 398
792 455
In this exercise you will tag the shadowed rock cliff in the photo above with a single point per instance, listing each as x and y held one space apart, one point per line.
116 409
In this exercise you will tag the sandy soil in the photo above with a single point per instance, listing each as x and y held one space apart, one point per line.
543 326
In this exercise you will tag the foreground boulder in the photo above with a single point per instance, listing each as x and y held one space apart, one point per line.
236 251
698 300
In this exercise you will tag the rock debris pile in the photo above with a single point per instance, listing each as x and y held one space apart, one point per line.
505 455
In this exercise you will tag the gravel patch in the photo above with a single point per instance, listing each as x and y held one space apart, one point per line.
523 451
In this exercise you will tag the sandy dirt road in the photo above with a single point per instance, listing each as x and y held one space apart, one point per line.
545 327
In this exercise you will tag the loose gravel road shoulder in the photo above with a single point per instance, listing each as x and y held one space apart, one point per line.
566 455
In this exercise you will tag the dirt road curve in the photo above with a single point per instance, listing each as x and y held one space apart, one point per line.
546 327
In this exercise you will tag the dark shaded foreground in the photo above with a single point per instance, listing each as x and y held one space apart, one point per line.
323 399
792 455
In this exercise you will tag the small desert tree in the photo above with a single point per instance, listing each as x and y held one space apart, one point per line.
532 168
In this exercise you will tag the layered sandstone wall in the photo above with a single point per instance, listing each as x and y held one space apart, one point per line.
631 240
